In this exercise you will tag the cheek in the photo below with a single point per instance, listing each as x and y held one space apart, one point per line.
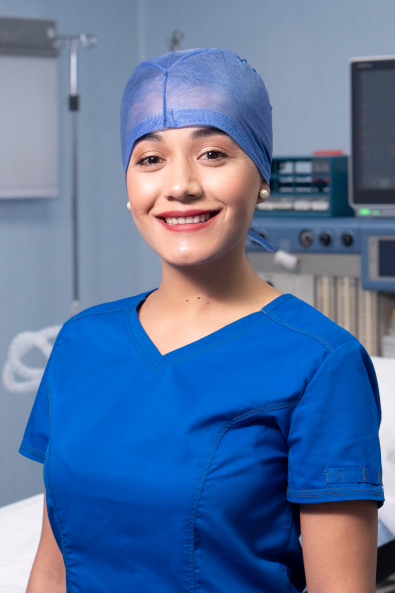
141 194
238 189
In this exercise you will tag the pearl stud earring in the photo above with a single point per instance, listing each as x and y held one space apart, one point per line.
263 194
128 205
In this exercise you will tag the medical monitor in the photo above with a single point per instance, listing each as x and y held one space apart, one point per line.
372 162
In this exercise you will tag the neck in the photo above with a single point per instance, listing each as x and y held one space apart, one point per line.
225 279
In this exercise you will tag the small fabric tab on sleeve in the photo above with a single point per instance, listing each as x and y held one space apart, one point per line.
353 475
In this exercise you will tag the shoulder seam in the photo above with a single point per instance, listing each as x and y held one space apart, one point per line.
88 314
300 331
116 309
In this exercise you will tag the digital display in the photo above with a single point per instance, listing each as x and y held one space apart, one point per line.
377 129
387 258
373 132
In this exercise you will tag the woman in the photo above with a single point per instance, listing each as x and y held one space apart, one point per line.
191 433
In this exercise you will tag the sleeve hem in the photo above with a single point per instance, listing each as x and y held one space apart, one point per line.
32 454
341 494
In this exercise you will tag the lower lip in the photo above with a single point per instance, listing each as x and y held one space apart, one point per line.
185 228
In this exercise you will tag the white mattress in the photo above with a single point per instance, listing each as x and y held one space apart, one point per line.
20 528
20 523
385 370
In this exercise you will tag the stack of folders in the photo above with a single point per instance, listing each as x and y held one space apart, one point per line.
344 301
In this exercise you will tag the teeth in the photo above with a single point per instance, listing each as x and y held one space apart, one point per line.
188 219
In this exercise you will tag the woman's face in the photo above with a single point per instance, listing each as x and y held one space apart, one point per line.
192 193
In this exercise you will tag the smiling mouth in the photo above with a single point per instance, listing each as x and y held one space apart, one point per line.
195 219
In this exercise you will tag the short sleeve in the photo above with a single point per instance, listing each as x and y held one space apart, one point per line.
334 449
36 437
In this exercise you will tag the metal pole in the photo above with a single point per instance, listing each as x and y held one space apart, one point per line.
74 107
87 40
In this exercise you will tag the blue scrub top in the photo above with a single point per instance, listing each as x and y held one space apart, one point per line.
179 473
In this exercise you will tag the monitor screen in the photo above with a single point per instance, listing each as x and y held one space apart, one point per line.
387 258
373 131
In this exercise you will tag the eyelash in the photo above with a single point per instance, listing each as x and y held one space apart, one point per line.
141 161
220 152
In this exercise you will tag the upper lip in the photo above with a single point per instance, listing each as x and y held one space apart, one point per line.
183 213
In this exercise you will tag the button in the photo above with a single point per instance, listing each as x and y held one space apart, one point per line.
266 206
347 239
320 205
302 205
325 239
283 205
306 238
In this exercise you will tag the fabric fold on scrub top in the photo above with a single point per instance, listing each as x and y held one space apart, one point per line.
179 473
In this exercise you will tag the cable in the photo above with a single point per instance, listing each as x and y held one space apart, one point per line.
15 369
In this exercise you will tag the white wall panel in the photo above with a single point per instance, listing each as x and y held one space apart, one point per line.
28 127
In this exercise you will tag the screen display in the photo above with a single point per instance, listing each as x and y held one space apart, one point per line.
387 258
373 137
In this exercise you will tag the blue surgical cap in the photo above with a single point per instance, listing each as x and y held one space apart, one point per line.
199 87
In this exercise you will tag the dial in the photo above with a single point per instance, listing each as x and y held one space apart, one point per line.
306 238
325 239
347 239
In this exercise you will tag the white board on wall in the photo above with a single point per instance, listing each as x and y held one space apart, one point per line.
28 127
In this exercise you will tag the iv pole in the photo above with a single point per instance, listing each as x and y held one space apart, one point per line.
74 104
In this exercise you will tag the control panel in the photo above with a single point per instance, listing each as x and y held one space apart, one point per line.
313 187
330 235
374 241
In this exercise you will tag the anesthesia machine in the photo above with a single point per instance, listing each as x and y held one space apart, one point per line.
336 216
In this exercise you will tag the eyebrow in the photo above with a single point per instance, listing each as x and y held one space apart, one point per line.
149 136
208 131
200 133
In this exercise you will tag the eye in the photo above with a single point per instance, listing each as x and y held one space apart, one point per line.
149 160
213 155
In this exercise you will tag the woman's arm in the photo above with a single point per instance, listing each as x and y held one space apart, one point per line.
339 541
48 574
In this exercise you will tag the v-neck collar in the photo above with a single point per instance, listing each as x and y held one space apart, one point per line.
157 361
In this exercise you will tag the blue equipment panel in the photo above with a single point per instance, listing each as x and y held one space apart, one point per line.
378 256
373 240
324 235
313 187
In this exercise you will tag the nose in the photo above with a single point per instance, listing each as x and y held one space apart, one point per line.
182 182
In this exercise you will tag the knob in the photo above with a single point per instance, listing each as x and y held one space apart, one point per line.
347 239
325 239
306 238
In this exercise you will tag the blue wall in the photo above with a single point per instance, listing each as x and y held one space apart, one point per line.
35 235
301 48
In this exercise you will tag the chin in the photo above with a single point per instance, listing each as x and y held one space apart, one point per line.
189 259
194 257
